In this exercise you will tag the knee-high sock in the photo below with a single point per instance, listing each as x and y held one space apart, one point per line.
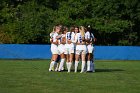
76 65
83 66
57 66
52 65
69 66
61 64
88 65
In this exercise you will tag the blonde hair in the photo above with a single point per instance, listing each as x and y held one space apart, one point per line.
53 31
82 31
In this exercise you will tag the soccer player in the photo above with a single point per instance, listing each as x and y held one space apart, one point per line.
61 47
54 46
81 48
89 37
69 46
75 30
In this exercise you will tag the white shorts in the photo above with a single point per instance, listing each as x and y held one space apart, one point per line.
81 49
69 48
61 48
90 48
54 49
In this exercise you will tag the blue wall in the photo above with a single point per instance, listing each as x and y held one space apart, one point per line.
117 52
27 51
24 51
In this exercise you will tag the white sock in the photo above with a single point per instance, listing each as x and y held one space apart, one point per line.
83 66
57 66
76 65
69 66
51 65
61 64
88 65
62 68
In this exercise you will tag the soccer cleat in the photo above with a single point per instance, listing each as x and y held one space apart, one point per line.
50 70
62 69
81 71
75 71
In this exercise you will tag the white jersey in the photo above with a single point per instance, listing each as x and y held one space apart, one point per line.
78 38
80 49
61 47
51 34
54 48
89 36
54 37
70 36
60 39
69 48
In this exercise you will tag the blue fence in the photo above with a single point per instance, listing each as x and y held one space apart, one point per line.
27 51
117 52
24 51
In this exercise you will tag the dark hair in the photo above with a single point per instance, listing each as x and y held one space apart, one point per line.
72 29
64 28
76 27
89 29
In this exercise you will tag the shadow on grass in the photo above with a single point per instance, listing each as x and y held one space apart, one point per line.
108 70
98 70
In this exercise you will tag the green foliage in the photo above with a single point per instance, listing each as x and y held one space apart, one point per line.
115 22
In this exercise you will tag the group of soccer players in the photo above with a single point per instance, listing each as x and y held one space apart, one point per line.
72 46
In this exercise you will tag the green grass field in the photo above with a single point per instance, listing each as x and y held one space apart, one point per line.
32 76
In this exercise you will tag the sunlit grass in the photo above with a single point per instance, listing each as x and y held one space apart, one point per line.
32 76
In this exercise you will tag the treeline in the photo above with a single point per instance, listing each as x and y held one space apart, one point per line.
114 22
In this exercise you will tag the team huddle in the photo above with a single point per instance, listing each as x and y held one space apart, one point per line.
72 46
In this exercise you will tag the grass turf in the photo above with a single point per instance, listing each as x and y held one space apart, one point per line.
32 76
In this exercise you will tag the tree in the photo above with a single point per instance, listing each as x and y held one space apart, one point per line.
115 22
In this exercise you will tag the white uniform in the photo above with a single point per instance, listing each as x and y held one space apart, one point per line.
90 37
54 47
69 48
80 49
61 47
90 64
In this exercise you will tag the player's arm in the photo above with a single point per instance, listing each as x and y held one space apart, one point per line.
51 40
59 36
75 39
63 40
56 40
94 40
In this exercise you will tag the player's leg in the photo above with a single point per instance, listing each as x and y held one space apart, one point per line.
83 61
71 51
62 61
52 64
56 66
67 62
77 59
54 51
83 57
70 62
62 56
88 61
